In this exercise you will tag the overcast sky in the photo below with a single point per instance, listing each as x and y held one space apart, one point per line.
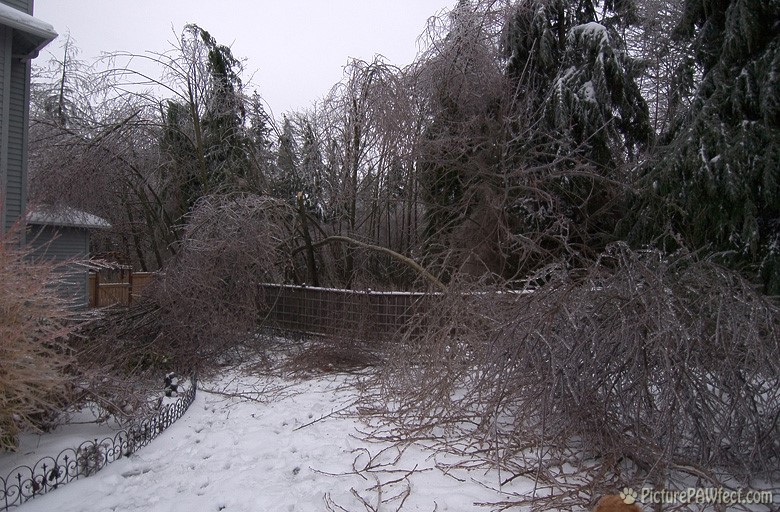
296 48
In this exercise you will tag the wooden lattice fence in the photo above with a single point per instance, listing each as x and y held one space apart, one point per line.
117 287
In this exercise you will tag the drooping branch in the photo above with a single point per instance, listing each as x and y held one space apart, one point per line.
384 250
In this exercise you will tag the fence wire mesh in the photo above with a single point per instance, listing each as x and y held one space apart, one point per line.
367 315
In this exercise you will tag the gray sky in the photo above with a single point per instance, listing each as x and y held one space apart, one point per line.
296 48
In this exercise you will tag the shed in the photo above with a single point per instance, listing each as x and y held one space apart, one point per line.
61 234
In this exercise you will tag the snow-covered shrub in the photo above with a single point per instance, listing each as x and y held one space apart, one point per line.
34 321
640 366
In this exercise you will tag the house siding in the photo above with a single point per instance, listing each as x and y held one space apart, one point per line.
61 245
26 6
17 128
8 198
14 112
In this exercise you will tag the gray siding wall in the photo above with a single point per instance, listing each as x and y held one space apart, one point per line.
14 98
14 101
6 198
25 6
17 138
61 244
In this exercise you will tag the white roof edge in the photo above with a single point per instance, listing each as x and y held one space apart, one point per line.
66 217
22 21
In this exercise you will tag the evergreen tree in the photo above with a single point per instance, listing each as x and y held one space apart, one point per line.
261 126
225 113
60 104
287 180
579 120
260 143
573 67
312 168
543 148
183 181
204 136
716 183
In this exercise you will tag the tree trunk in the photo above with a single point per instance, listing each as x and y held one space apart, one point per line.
311 262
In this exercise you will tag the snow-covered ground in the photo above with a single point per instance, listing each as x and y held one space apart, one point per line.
268 443
282 445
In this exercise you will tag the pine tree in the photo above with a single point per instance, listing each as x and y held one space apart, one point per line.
579 120
204 136
573 67
312 168
261 126
225 113
287 180
715 185
260 144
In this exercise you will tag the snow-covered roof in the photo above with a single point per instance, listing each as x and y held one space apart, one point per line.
66 217
39 32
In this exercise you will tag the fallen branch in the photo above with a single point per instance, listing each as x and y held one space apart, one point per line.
336 411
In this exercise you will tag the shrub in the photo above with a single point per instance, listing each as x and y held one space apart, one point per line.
34 322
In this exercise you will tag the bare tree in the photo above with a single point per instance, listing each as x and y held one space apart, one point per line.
142 161
362 138
91 147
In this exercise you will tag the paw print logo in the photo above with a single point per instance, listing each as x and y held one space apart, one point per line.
628 496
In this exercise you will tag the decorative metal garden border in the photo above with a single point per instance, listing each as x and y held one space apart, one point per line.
26 482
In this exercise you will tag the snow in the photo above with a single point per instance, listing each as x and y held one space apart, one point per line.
254 442
284 445
81 426
369 291
587 92
34 446
65 216
342 290
590 30
562 80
